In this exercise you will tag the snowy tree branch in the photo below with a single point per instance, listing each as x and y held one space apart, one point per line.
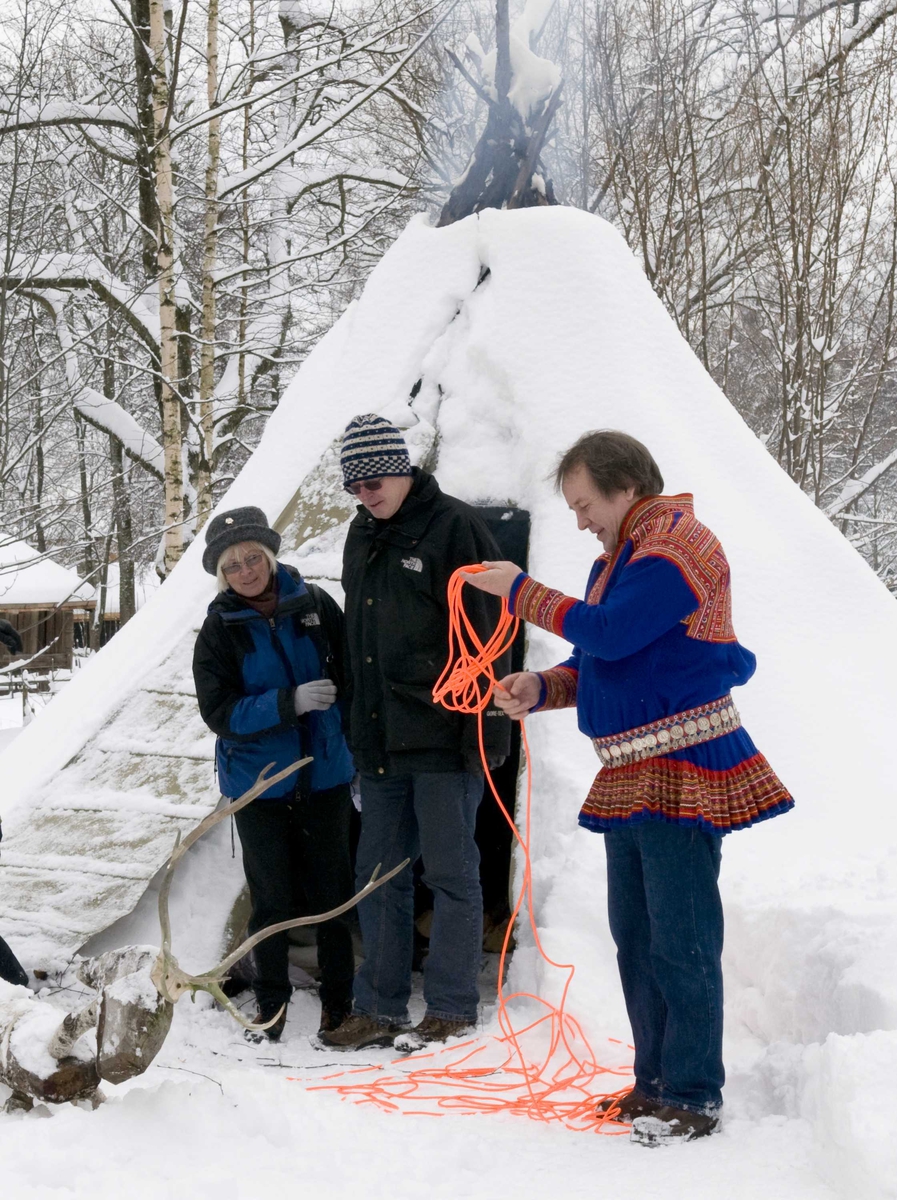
243 179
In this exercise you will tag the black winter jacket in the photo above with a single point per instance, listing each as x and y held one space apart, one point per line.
395 576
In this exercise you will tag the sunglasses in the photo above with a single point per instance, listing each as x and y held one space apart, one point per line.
366 485
249 563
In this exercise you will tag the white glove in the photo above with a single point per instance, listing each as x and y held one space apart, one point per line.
314 696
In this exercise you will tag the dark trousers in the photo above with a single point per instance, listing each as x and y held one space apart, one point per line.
432 814
296 861
666 918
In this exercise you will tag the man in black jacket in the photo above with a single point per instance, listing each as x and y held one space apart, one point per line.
420 767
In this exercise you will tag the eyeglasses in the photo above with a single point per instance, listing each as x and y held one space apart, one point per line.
249 563
366 485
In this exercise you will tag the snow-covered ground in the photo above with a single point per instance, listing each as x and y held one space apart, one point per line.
12 714
562 335
10 719
218 1114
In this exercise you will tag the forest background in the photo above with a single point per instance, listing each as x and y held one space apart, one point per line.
192 191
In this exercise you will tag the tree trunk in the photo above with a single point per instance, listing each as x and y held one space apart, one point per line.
209 260
86 562
127 599
165 264
245 217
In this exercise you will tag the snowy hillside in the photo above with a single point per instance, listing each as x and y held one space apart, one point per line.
563 334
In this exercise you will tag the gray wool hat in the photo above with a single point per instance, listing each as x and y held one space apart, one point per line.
237 525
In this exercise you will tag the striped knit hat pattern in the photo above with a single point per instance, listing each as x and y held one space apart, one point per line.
371 449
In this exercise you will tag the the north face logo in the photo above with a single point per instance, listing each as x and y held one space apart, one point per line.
311 619
412 564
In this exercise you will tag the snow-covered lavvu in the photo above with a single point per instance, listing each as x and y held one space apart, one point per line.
561 334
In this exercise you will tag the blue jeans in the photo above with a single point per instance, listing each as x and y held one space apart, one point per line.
431 814
666 918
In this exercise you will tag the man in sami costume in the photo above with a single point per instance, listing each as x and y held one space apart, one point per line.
655 658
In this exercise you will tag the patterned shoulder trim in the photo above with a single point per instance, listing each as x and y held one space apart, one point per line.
680 538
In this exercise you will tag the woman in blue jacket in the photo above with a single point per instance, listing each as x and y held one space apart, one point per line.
268 667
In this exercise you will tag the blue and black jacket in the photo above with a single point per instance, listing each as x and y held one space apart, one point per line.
246 669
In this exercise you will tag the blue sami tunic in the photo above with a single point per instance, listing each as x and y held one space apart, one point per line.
654 639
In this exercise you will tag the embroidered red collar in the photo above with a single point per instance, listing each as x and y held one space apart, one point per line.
649 508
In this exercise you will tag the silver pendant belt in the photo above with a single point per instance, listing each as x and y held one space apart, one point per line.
667 734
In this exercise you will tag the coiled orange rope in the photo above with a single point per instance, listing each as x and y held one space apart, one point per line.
546 1070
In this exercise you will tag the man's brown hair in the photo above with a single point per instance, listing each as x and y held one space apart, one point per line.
615 461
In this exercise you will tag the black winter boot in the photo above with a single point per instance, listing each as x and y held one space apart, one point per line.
274 1032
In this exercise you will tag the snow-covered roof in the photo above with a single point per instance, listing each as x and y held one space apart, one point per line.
29 577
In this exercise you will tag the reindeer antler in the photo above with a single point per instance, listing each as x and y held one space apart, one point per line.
167 975
170 980
210 981
73 1026
262 783
375 881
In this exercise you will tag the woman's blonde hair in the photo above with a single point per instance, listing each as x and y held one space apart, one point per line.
230 555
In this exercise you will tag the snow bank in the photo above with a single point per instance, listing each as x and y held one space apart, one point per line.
847 1083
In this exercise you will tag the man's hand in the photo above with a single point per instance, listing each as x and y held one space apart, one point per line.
496 579
516 694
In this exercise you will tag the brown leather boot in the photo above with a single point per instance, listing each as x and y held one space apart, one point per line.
628 1106
358 1031
667 1126
332 1018
431 1029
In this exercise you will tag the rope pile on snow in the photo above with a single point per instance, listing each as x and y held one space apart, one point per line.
546 1070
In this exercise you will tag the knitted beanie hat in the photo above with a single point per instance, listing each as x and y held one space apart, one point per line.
372 448
237 525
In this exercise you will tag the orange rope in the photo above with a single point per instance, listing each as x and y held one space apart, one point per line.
555 1081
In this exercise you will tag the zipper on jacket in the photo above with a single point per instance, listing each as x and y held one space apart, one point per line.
278 646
